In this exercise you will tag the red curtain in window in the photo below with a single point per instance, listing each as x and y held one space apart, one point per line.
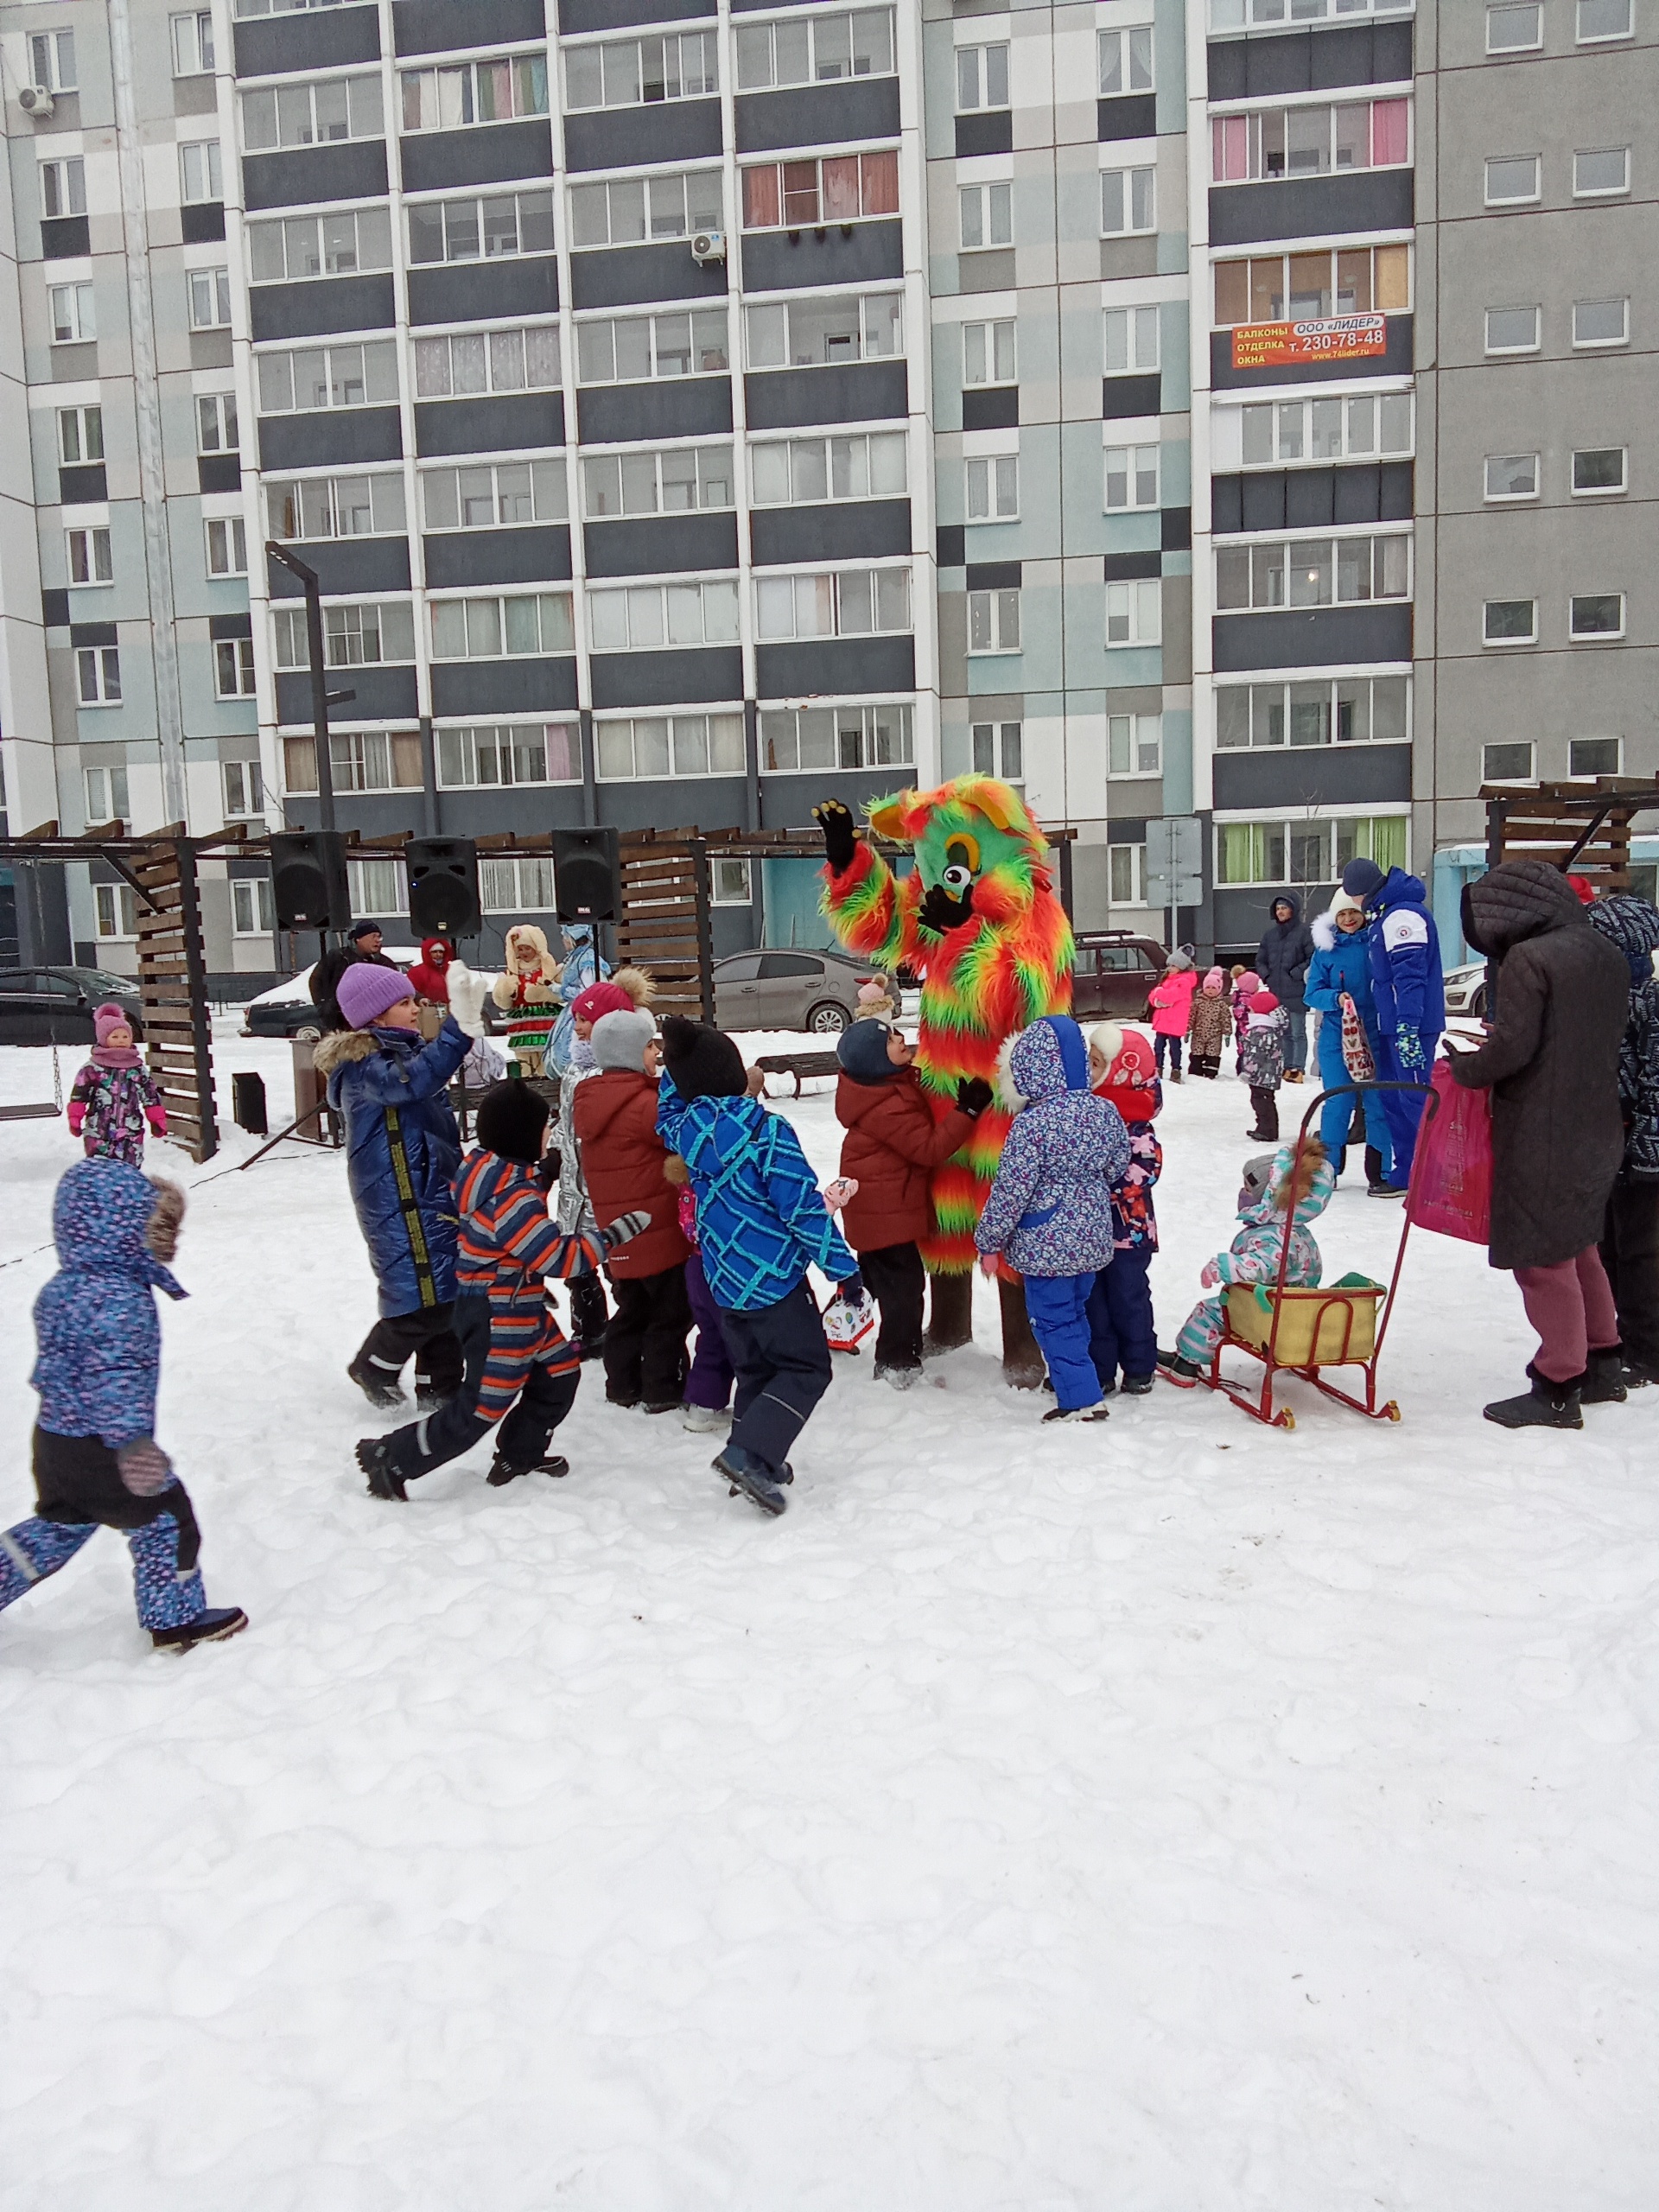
1390 133
761 204
880 182
801 193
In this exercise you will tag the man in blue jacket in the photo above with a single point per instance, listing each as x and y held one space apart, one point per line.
1410 992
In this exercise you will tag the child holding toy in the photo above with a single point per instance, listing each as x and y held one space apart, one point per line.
1273 1185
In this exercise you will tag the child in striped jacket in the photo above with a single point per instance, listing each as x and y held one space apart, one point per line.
521 1370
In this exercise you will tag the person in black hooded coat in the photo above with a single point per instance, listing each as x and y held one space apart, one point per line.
1630 1237
1281 962
1550 1059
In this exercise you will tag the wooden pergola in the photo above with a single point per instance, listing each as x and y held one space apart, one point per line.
1583 830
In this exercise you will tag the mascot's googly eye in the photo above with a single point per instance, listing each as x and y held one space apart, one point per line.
962 863
955 881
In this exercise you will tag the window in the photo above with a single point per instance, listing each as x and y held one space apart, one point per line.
1280 287
1512 330
74 316
1515 30
227 547
1300 142
336 244
1134 745
1305 852
675 482
1599 469
993 622
470 362
1127 202
116 908
487 629
638 347
794 740
987 215
253 911
378 886
1126 868
352 637
495 495
106 794
839 188
1134 613
1125 61
800 472
848 603
493 91
210 299
988 355
1511 179
201 175
375 759
1601 175
993 487
520 884
1237 15
318 377
1599 19
97 676
1601 322
334 506
1269 434
821 49
1130 336
645 616
63 187
1511 476
193 43
632 72
1131 477
281 7
1594 756
815 331
1596 614
1509 622
233 670
998 749
731 882
1323 710
488 230
497 756
1312 572
216 431
245 789
314 114
669 744
1506 764
51 61
80 435
628 210
90 561
981 78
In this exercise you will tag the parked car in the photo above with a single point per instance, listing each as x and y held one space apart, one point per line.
1115 971
53 1006
1465 990
287 1009
788 990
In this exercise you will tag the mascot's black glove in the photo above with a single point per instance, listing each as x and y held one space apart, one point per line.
839 842
974 1094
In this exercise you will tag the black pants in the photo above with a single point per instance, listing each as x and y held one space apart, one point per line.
1629 1253
1207 1064
429 1336
897 1281
523 1434
782 1364
1265 1105
644 1339
590 1315
78 1480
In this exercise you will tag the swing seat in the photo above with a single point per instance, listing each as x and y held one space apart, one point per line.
42 1113
1333 1326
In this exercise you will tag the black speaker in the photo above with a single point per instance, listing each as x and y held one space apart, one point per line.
309 881
587 875
443 887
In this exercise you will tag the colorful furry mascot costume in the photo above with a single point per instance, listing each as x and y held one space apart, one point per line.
978 921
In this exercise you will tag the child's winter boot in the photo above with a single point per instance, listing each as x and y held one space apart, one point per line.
1183 1373
380 1388
1547 1404
374 1457
502 1472
705 1420
1099 1411
1603 1378
213 1626
747 1471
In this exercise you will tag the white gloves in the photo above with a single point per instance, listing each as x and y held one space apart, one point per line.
467 995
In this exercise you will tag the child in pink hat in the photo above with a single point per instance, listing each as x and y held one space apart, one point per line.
114 1097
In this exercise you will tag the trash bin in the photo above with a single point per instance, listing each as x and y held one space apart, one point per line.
248 1104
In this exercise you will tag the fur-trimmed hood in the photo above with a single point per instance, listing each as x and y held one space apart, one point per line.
341 1048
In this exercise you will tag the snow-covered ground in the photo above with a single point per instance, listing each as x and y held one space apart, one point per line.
1170 1816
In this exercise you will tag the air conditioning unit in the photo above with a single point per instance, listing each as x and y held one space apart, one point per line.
35 100
708 246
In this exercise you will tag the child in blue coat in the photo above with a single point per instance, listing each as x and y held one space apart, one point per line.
1273 1183
97 1463
1049 1212
1341 970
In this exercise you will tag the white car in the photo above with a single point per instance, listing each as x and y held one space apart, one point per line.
287 1010
1465 990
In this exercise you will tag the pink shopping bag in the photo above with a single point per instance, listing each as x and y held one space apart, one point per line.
1451 1174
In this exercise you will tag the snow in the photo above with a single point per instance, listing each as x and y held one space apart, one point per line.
1170 1816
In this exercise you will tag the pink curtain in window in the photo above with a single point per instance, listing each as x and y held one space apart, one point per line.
1390 131
760 206
880 176
801 193
840 190
1230 136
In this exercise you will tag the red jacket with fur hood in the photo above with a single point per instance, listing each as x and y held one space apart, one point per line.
891 1145
614 1115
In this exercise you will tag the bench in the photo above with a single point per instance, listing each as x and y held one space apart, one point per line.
802 1066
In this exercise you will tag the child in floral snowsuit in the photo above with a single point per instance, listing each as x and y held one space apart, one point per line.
1261 1061
1122 1072
113 1097
1271 1184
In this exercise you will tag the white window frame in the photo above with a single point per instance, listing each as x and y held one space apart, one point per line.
1135 605
1231 425
1531 344
687 742
981 74
985 215
1504 8
717 612
1329 820
982 339
253 908
711 465
458 753
699 192
210 298
364 116
115 910
1257 151
995 617
713 340
539 203
1142 348
820 218
1374 535
192 41
219 409
347 626
1581 37
1141 485
649 51
821 69
204 155
95 555
890 445
285 230
233 658
1307 680
554 625
842 585
991 487
1577 774
545 473
106 793
97 676
1601 191
225 543
1506 644
1596 637
1128 58
1136 190
731 880
1491 774
363 762
436 361
1137 873
433 91
1510 499
305 492
1600 491
245 790
515 883
51 61
378 886
376 362
1535 190
998 749
1142 742
63 179
1601 345
853 734
73 311
83 419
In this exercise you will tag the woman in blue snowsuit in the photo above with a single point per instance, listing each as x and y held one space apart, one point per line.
1341 967
582 966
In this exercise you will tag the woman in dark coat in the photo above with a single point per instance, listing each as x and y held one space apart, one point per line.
1550 1060
1281 962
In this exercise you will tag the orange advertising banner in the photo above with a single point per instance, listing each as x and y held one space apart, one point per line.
1335 338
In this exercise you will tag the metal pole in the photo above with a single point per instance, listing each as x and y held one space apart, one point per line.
308 579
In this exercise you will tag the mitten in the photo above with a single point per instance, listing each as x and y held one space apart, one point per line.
145 1468
77 1115
467 995
549 1170
1410 1046
157 1116
840 842
1210 1275
853 1288
624 1229
974 1094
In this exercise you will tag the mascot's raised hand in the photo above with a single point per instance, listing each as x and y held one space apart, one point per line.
840 836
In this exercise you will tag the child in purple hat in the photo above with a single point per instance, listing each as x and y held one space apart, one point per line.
114 1097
